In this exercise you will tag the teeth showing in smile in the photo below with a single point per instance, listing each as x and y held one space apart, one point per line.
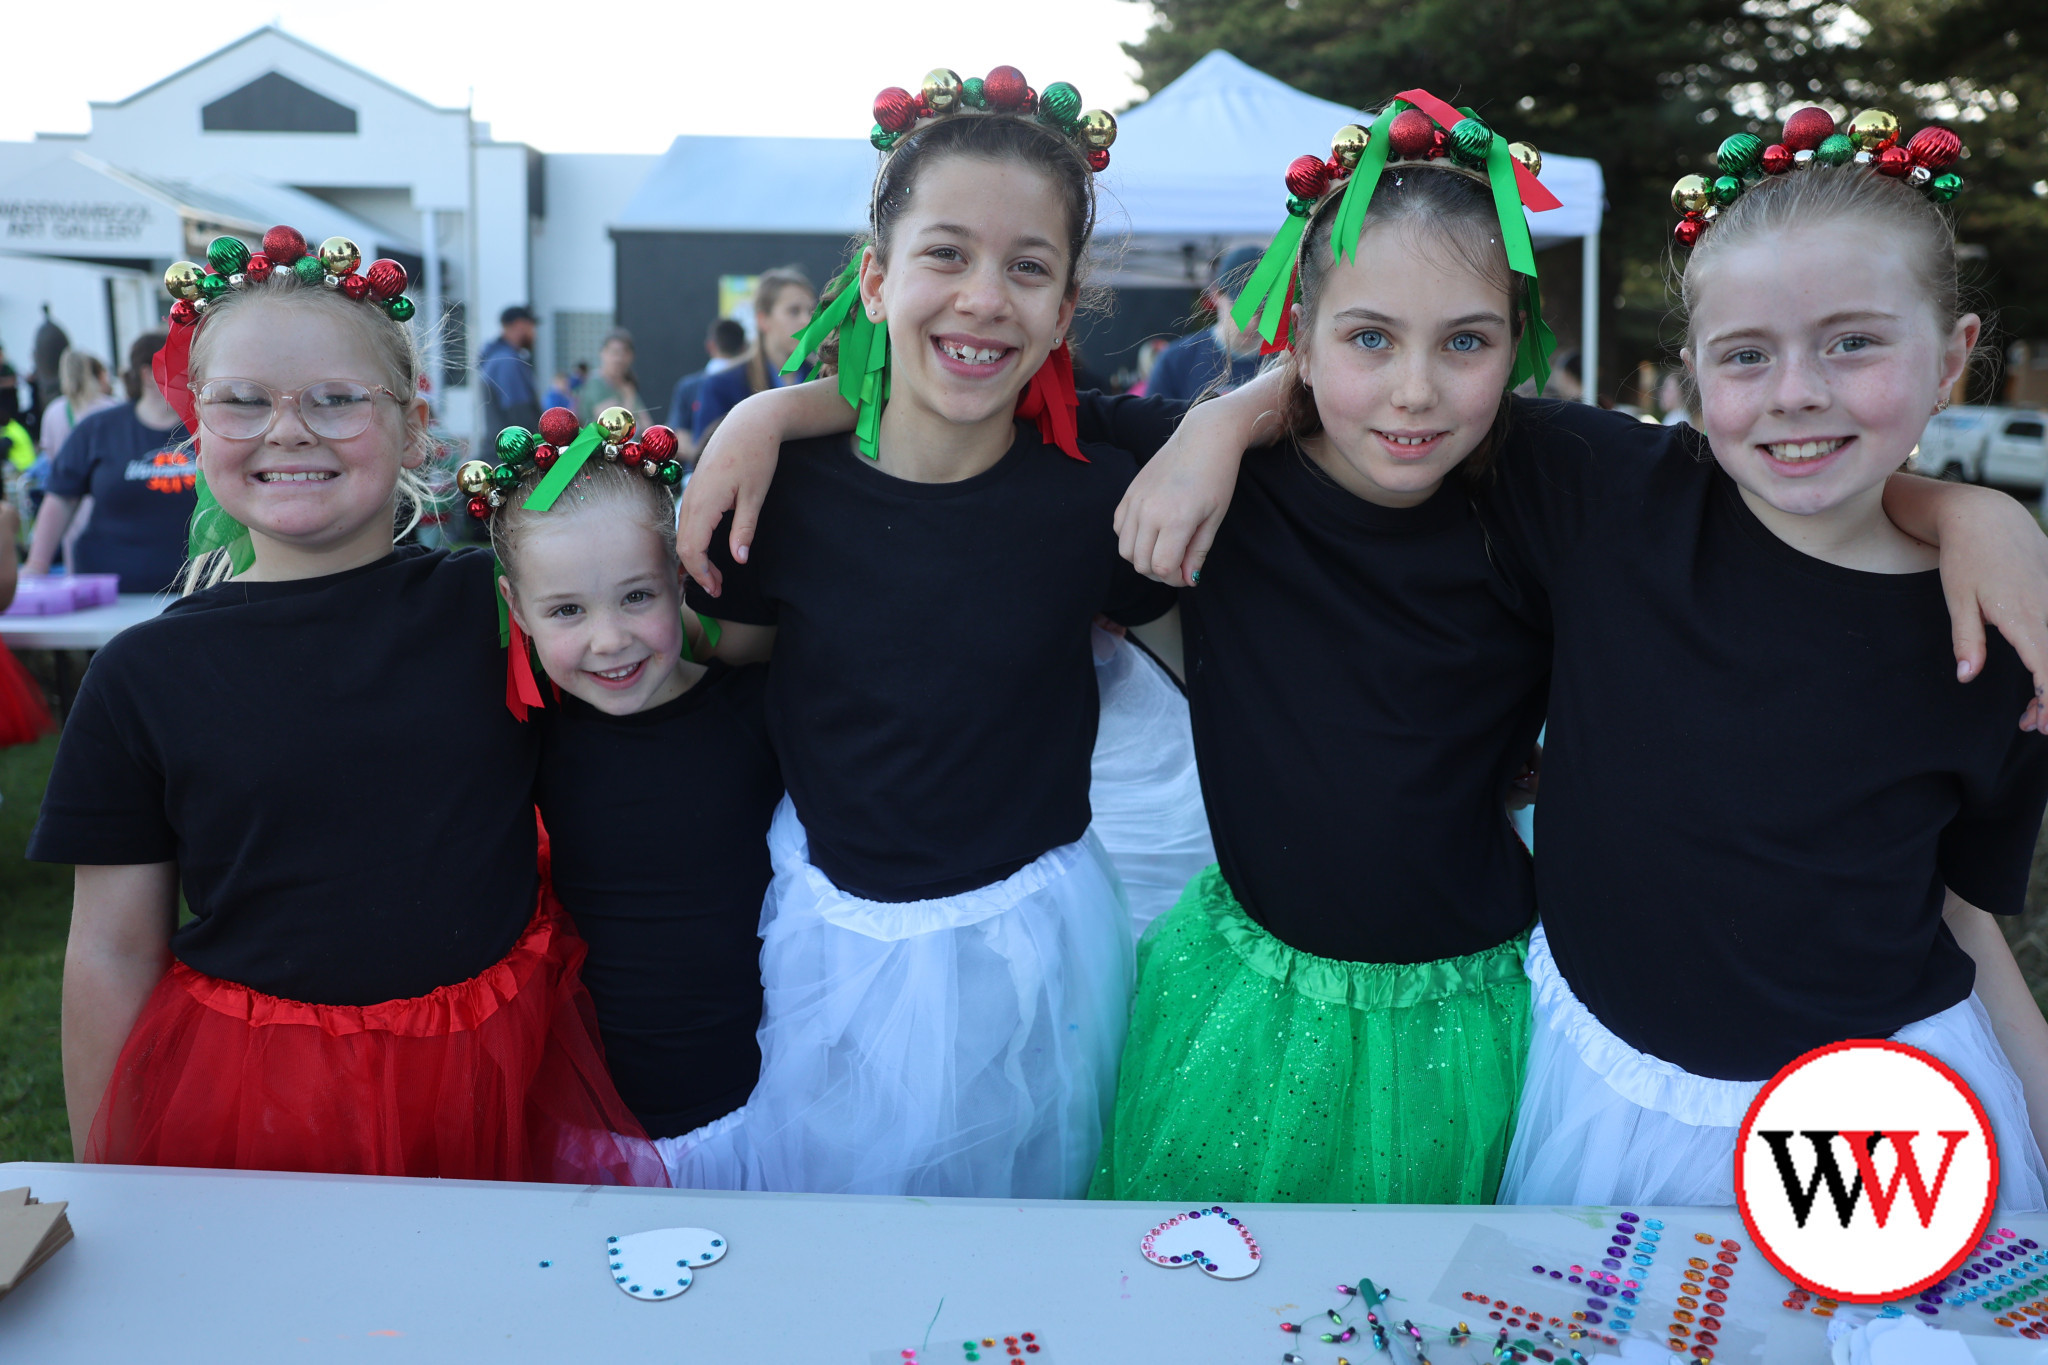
313 476
616 674
973 355
1407 440
1794 451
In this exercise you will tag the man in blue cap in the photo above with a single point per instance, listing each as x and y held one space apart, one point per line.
1223 355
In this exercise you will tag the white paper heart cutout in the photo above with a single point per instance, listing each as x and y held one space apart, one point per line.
660 1264
1212 1238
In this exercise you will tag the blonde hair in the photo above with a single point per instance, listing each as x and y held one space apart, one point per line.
82 377
389 341
600 484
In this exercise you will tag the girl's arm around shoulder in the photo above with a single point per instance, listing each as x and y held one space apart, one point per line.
1170 514
120 946
1994 569
2015 1018
738 464
740 643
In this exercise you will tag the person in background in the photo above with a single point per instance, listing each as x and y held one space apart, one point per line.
561 393
726 345
135 462
84 389
614 385
1223 357
783 303
1564 379
50 345
10 390
511 398
1671 398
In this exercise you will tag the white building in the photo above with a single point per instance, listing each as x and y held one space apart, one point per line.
270 129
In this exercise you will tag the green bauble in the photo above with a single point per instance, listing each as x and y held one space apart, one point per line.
308 269
213 286
1834 150
883 138
1726 190
1300 207
515 445
504 476
1944 187
228 255
671 473
971 95
400 308
1741 154
1059 104
1470 140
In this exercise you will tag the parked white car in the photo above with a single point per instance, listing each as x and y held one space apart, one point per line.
2003 446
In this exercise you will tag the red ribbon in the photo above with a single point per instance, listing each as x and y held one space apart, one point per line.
1534 195
172 367
1283 339
1049 400
522 693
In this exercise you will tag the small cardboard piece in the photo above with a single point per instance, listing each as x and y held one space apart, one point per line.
30 1233
1212 1238
661 1264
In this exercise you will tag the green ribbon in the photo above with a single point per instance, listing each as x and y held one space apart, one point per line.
213 529
1365 178
828 319
863 356
504 610
1532 353
1265 293
567 466
712 634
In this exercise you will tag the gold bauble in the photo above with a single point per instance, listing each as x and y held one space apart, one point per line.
1098 129
616 424
1691 195
1873 130
340 256
474 477
1349 145
1526 153
942 90
181 281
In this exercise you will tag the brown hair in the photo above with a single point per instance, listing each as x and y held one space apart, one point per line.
1456 206
600 483
1826 194
390 342
141 355
768 291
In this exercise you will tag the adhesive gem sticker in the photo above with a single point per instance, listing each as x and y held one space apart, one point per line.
660 1264
1212 1238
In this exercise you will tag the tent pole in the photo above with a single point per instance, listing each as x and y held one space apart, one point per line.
1589 316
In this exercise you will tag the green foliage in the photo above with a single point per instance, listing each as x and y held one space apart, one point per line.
1649 88
35 915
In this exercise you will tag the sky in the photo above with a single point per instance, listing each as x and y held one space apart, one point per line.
609 76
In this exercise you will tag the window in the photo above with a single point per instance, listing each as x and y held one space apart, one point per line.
2025 431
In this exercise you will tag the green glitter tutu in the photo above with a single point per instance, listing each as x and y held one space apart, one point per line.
1254 1072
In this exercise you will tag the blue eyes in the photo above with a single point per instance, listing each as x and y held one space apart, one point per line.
1467 342
1372 340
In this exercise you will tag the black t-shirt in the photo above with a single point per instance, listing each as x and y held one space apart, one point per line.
1362 684
933 696
658 833
330 763
142 486
1761 770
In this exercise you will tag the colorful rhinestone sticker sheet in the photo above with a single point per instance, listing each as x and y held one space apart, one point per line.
2001 1288
997 1348
1490 1285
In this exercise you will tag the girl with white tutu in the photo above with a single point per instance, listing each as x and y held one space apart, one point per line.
1771 817
946 950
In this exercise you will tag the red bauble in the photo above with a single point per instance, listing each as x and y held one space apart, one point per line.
1412 135
1307 177
1098 158
1777 159
184 312
895 109
1935 148
1893 160
479 507
355 286
1439 143
1808 128
1004 88
283 245
658 442
1688 231
544 457
632 453
558 426
387 279
1335 167
258 268
1030 104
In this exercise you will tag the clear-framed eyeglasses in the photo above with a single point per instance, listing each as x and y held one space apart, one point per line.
243 410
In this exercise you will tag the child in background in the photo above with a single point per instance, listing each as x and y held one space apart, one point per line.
372 982
666 892
1758 765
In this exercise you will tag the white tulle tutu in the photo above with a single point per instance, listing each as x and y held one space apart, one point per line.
1601 1123
1145 794
965 1045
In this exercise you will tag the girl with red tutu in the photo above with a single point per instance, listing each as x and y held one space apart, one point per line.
375 979
24 715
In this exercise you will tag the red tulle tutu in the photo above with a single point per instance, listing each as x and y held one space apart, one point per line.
500 1077
24 715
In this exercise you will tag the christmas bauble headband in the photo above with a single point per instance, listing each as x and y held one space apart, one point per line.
1415 126
1003 91
231 265
1811 139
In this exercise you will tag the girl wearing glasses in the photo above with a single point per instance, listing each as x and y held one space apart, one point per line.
373 979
